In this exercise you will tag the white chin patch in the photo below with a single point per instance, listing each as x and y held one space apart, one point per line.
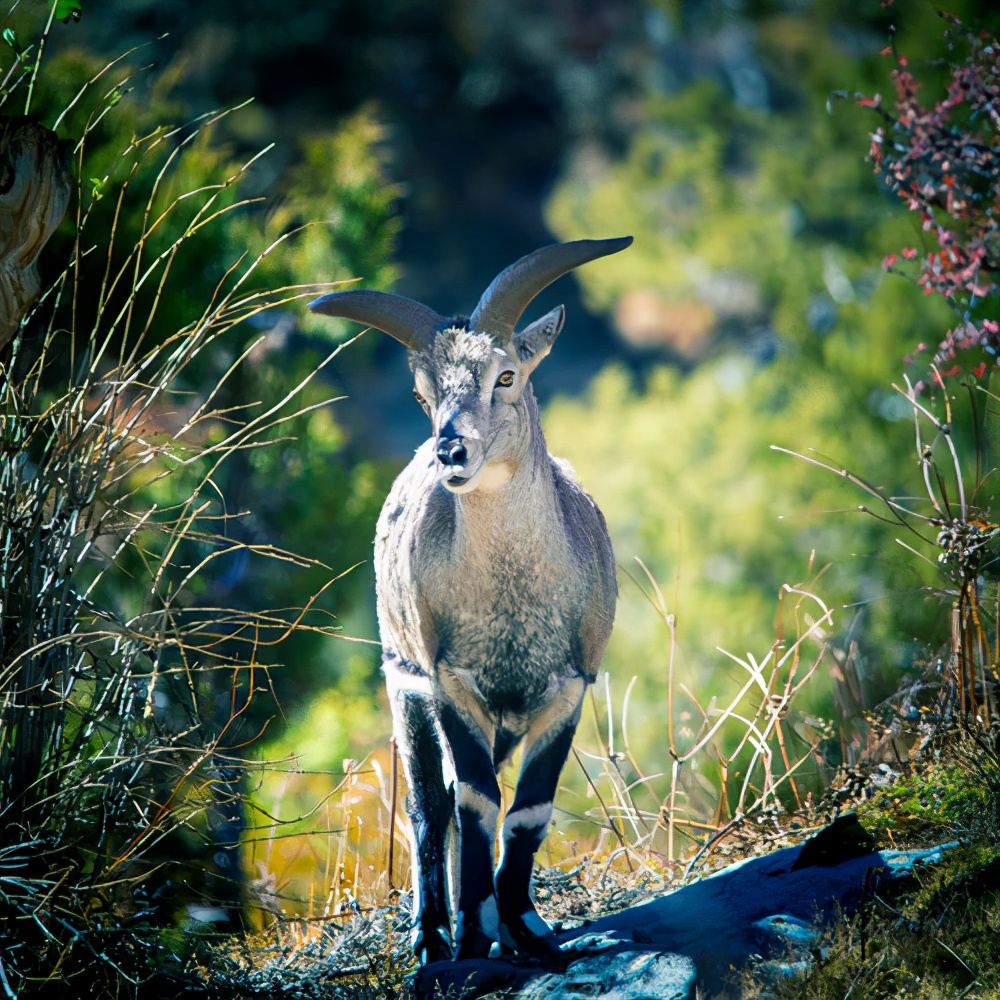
490 477
464 487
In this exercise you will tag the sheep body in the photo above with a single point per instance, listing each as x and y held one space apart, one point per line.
509 591
496 593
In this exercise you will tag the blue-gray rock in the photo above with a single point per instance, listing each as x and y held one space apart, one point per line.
607 970
763 906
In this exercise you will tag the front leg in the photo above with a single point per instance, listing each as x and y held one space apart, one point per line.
478 805
430 804
547 745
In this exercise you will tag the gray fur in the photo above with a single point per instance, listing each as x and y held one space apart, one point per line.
512 589
496 595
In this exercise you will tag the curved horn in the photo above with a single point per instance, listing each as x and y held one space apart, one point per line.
508 296
408 321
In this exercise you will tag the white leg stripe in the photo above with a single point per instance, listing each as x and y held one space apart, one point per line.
528 818
487 809
535 924
489 917
398 682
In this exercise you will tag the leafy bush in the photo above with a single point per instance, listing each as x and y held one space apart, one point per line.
758 236
942 160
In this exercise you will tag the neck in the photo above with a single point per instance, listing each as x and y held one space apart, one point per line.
521 474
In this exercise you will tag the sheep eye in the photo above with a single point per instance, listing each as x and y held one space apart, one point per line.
420 399
506 379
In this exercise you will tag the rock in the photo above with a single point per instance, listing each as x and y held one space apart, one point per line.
618 973
762 906
627 974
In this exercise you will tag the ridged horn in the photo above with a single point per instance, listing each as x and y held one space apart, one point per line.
410 322
512 289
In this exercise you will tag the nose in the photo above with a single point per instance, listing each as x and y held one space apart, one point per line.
451 451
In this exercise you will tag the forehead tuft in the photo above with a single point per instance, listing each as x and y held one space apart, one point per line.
456 358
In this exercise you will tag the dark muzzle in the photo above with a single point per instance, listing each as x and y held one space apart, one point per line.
451 451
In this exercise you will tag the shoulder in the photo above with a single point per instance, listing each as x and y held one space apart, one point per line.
573 498
583 518
591 546
415 499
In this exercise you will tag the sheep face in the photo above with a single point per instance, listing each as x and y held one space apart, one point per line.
473 390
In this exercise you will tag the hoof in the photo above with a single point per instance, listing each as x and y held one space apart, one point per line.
432 944
476 945
528 936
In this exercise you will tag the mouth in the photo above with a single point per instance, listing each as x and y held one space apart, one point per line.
463 481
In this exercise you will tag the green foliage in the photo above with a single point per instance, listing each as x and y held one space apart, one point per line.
758 237
142 411
110 769
736 519
68 10
331 217
941 798
339 192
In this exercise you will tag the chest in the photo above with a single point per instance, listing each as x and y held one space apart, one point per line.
505 618
500 592
494 559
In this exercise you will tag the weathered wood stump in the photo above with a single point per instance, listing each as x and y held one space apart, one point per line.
34 194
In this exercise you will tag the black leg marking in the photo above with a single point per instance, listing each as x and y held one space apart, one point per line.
504 742
522 929
478 797
430 805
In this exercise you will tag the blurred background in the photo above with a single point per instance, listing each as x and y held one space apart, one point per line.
435 143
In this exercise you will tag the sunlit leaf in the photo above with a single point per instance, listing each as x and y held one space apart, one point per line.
68 10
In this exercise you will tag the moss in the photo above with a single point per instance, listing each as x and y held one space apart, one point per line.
939 949
940 938
933 800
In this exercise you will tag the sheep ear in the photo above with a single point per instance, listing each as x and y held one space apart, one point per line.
536 339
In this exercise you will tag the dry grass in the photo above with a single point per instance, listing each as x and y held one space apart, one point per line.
117 765
331 910
947 519
627 831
